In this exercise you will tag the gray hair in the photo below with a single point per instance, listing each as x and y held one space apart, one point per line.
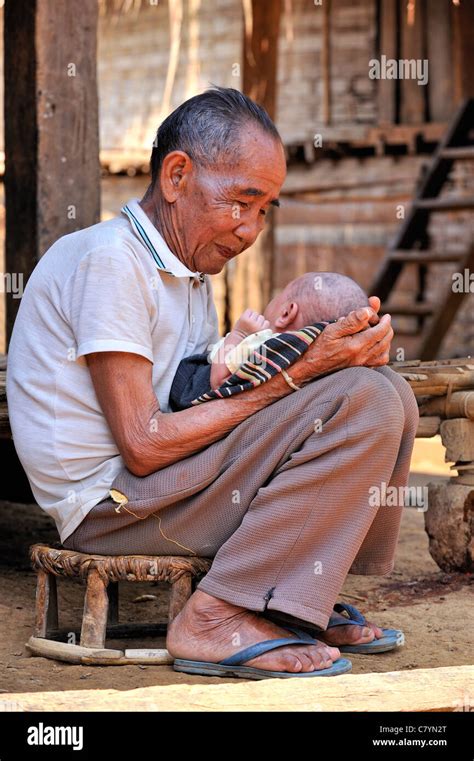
207 128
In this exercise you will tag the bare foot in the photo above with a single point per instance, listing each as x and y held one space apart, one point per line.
209 629
335 636
351 634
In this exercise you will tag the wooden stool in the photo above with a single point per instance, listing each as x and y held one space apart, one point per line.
100 618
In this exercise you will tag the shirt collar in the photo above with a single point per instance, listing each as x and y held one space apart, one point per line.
152 240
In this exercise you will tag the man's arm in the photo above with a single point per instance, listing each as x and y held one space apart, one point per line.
149 439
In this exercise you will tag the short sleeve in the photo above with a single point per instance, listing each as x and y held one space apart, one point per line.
109 303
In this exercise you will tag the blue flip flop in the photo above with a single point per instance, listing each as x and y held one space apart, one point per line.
392 638
232 666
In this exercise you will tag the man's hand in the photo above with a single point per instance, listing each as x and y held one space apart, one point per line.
359 339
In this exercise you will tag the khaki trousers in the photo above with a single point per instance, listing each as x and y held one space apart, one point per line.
281 503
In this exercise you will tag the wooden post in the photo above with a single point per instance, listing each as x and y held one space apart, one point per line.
96 605
387 88
326 62
180 593
52 167
440 85
46 604
413 46
259 82
463 50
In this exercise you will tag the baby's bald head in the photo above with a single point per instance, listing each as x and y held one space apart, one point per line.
319 296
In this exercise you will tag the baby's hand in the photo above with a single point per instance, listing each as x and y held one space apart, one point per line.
250 322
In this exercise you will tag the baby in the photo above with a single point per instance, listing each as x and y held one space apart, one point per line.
313 297
316 297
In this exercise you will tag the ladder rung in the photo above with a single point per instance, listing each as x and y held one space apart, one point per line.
416 332
461 153
416 309
444 204
422 257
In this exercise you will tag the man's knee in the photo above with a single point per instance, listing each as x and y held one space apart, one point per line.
406 394
370 391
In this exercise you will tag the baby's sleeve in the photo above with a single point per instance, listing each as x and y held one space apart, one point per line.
241 353
216 348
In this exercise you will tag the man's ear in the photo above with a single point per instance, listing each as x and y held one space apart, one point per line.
174 174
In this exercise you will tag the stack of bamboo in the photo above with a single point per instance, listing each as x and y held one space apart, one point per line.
444 389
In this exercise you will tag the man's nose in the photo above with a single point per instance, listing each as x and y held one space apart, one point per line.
249 230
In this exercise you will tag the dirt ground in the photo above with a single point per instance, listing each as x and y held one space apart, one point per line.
435 609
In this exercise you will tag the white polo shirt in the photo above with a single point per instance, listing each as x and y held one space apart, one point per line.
115 286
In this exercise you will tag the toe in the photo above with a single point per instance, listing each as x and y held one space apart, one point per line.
365 634
376 630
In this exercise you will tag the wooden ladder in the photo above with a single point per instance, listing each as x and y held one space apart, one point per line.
411 243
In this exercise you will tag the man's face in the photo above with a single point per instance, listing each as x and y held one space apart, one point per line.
221 210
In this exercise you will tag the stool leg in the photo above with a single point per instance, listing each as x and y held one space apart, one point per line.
113 592
96 605
46 604
181 591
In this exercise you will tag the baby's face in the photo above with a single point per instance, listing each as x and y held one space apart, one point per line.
272 311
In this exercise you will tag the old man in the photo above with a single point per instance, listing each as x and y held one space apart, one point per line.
273 483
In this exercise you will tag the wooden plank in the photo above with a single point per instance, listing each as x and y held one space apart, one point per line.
341 211
51 128
63 651
400 691
466 153
387 88
326 63
413 100
259 82
441 365
21 224
425 257
463 50
428 427
415 308
445 204
460 404
439 54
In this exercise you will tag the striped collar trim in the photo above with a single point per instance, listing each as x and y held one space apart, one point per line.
152 240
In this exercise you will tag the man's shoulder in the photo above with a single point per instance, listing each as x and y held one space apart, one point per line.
104 240
113 234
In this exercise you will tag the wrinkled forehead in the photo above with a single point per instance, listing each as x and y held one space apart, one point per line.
259 159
